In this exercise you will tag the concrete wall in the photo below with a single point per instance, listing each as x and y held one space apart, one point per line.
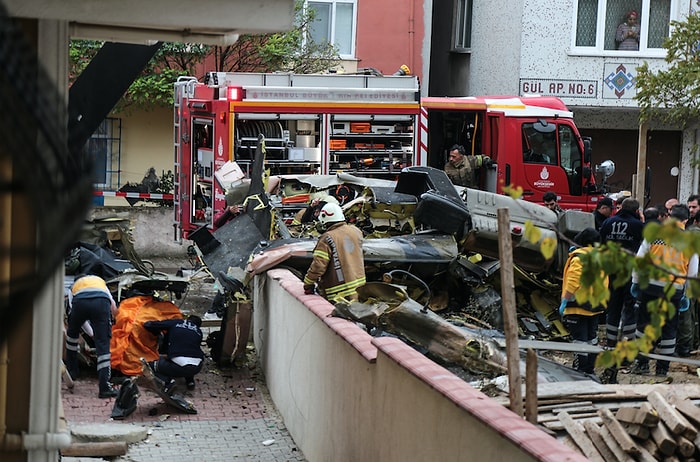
151 229
345 395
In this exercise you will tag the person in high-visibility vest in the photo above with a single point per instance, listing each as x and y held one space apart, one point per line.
92 301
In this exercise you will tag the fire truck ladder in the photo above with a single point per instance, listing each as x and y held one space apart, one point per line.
184 89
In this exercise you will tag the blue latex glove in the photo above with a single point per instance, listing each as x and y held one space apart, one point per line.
634 290
684 304
562 306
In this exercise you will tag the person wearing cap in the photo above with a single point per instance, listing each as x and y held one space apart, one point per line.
338 265
581 319
627 34
602 211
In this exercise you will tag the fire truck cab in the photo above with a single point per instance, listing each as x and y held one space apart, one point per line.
532 141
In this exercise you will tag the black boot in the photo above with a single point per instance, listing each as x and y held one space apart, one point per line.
106 389
72 364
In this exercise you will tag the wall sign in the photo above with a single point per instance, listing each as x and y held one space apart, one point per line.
561 88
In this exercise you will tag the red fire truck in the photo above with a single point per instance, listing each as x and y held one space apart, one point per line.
312 124
364 125
532 141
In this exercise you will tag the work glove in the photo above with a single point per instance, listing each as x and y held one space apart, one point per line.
562 307
684 304
309 289
487 161
634 290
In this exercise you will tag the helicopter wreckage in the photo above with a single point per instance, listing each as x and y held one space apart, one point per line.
431 258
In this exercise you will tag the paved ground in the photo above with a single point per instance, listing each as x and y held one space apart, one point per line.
236 420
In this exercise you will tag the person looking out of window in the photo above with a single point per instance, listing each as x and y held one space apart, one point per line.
627 35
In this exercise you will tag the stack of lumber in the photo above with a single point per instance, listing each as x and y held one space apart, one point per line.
660 428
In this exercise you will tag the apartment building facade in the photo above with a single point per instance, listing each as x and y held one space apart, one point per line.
568 48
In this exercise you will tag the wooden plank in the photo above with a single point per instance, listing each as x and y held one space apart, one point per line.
675 421
508 303
687 408
557 426
619 433
686 448
638 431
577 432
98 449
578 387
555 417
644 415
612 443
652 448
645 456
531 411
576 410
551 407
593 432
663 439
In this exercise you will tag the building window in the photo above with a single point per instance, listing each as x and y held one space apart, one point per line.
335 23
104 147
463 25
622 26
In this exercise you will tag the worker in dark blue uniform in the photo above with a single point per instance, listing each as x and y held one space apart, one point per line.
625 228
92 301
182 355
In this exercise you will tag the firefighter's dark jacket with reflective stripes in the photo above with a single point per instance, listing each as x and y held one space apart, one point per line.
338 264
572 284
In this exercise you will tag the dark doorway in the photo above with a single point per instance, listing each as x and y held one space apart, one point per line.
620 146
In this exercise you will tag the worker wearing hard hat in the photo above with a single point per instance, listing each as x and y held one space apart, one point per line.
338 266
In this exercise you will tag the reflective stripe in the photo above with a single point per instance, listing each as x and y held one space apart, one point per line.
321 254
348 287
103 361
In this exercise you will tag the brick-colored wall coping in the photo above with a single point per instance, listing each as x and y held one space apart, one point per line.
533 440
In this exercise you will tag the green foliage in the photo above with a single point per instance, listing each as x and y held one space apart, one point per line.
673 95
291 51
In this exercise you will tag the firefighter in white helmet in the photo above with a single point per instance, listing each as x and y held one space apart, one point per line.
338 265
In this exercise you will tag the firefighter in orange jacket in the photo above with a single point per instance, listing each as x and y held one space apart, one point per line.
580 319
338 264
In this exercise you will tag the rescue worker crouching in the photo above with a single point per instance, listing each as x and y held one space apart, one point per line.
580 319
182 355
338 263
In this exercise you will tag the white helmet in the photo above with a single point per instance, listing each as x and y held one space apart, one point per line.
331 213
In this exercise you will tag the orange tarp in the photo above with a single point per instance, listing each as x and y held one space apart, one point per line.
130 340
